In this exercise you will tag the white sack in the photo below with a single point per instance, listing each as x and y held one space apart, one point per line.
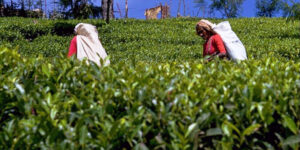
89 45
233 45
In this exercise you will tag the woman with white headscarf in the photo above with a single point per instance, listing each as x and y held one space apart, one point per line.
213 45
86 44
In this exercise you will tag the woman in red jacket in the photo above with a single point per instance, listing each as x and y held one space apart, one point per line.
86 44
213 45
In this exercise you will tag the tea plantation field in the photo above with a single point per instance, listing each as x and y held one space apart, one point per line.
157 93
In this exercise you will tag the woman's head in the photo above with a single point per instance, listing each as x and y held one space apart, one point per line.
85 29
204 29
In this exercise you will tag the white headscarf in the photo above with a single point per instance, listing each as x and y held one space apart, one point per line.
212 25
89 45
206 25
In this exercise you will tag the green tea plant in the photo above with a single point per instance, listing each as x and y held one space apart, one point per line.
62 103
152 41
157 93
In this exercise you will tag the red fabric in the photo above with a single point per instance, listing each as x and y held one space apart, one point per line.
217 45
73 47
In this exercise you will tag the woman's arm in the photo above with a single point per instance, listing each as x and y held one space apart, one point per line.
73 47
219 45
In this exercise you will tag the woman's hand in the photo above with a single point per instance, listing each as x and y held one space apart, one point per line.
222 55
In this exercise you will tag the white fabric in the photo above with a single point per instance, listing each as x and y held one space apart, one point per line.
89 45
234 46
212 25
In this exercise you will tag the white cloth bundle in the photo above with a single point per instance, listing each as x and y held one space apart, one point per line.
89 45
233 44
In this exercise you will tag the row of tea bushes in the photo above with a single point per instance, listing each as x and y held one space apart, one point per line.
153 41
61 103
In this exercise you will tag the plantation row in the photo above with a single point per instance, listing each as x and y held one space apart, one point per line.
64 104
157 93
157 40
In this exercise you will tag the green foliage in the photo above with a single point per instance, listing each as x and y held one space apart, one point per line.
291 9
228 8
267 8
79 9
156 94
28 28
252 104
47 45
10 36
145 41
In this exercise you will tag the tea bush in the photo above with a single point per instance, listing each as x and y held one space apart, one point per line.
47 45
156 94
155 40
64 104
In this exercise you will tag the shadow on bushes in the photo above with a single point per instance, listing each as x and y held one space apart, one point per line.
294 35
67 29
63 29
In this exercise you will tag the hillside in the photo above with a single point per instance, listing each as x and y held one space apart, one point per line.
167 40
156 94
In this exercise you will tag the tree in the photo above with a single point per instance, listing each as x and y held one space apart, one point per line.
78 8
228 8
107 13
22 3
178 10
68 7
267 8
201 4
291 9
39 4
184 8
82 9
29 4
1 8
126 9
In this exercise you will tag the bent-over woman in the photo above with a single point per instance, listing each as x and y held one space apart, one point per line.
86 44
213 45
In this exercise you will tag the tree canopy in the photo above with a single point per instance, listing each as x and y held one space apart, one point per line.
267 8
228 8
291 9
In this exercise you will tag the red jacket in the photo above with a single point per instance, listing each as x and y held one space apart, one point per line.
73 47
215 43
